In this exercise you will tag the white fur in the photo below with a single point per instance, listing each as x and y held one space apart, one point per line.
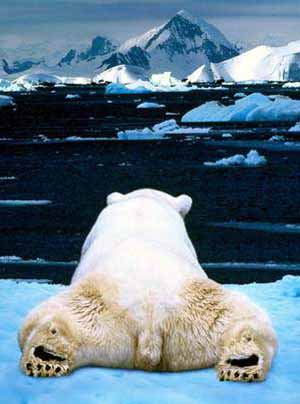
139 240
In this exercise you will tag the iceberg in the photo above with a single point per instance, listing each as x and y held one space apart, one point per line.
122 74
263 63
254 107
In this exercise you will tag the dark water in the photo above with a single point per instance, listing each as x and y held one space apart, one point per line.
77 177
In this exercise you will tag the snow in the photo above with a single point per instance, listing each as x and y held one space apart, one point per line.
142 86
122 74
252 159
295 128
8 86
16 203
294 84
254 107
157 132
164 80
145 105
263 63
6 101
114 386
75 80
30 81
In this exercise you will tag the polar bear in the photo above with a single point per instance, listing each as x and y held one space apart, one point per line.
139 299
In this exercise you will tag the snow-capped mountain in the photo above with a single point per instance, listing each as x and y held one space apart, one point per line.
179 46
57 58
100 47
261 63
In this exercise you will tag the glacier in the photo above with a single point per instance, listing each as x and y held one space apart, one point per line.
117 386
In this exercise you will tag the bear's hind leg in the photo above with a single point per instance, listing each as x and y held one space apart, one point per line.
247 352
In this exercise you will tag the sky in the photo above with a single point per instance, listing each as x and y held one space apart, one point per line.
272 22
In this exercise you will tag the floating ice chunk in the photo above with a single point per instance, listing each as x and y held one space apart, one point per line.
17 202
157 132
72 96
7 178
122 74
253 159
276 138
146 105
6 101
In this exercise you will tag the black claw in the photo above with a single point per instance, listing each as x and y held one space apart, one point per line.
255 375
236 374
58 369
221 379
39 367
48 367
228 373
245 376
28 366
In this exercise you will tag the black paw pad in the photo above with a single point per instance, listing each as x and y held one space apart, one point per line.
250 361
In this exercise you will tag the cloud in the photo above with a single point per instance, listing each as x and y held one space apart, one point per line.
124 18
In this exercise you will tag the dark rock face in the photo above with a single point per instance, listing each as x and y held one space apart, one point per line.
135 56
18 67
100 46
68 59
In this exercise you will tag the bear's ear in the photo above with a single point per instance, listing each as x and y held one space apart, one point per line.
114 198
184 204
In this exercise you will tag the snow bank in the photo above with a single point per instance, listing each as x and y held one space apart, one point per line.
146 105
30 81
157 132
114 386
252 159
6 101
122 74
254 107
